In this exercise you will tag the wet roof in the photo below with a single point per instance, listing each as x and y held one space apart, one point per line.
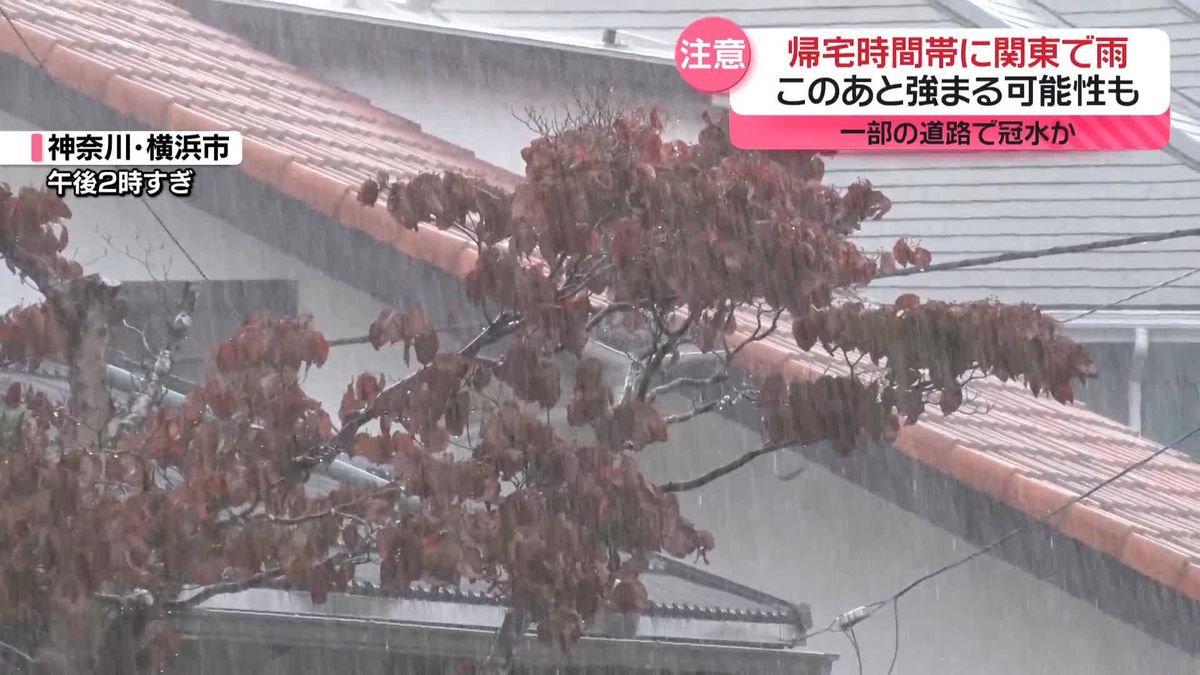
676 590
687 605
961 205
148 59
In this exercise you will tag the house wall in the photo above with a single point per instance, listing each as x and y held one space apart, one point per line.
118 237
823 540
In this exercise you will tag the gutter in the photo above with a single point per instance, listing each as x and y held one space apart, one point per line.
1141 347
230 633
339 469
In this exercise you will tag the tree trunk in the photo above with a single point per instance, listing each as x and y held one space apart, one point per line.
92 307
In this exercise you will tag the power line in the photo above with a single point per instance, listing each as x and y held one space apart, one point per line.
158 219
1131 296
1041 253
173 238
847 620
857 652
896 639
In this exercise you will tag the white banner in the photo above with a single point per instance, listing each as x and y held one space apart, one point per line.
120 148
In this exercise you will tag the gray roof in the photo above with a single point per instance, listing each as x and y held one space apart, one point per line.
716 617
967 205
1179 18
958 204
660 22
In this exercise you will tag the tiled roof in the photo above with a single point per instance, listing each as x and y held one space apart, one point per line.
148 59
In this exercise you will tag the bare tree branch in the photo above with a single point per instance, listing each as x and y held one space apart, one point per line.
760 333
208 592
177 330
337 510
505 324
725 469
366 339
609 310
680 382
697 411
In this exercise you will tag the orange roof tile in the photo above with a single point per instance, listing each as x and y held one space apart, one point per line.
150 60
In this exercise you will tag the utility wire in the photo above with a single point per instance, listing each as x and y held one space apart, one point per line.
158 219
847 620
1042 253
1134 295
857 652
896 639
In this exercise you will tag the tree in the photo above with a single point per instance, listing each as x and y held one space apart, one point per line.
130 512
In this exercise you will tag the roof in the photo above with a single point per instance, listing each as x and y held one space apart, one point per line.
688 602
696 622
951 201
1025 452
694 618
655 27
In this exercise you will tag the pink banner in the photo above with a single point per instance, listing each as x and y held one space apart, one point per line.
974 133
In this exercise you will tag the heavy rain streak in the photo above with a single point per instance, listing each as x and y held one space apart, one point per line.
486 350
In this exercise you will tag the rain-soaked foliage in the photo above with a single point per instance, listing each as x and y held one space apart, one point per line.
144 510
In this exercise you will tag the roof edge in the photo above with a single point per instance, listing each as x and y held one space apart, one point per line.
1000 480
415 22
286 629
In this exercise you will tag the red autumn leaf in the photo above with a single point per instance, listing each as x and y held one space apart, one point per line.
387 541
320 580
426 347
324 425
921 258
389 574
351 403
630 596
640 423
902 253
12 398
368 387
227 356
373 448
951 398
908 301
319 348
368 192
